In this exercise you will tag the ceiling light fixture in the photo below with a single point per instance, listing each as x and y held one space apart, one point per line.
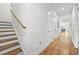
49 12
62 8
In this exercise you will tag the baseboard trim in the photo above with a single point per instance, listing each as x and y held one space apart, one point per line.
38 52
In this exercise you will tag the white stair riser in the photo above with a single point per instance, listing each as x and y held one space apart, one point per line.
6 26
4 23
9 42
7 37
1 33
7 20
6 29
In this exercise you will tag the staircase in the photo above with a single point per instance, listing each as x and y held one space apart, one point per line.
9 44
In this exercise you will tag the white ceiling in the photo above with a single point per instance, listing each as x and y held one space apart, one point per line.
61 9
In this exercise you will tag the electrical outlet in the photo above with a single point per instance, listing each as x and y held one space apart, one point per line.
40 42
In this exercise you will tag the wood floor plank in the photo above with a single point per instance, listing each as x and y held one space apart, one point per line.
60 46
53 49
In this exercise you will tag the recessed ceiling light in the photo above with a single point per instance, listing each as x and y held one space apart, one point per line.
62 8
49 12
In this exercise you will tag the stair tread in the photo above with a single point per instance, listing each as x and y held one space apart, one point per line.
6 27
1 35
8 46
13 52
4 22
8 42
9 49
9 39
6 33
20 53
7 30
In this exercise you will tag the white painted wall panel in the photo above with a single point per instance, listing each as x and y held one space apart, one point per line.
5 11
34 17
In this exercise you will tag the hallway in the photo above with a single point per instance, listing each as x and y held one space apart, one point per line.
61 46
26 28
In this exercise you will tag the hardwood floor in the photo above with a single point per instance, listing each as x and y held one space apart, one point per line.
61 45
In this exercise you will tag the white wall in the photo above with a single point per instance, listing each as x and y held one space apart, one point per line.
34 17
53 31
75 27
65 22
5 11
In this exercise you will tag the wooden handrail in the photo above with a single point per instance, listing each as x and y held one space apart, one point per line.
17 19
